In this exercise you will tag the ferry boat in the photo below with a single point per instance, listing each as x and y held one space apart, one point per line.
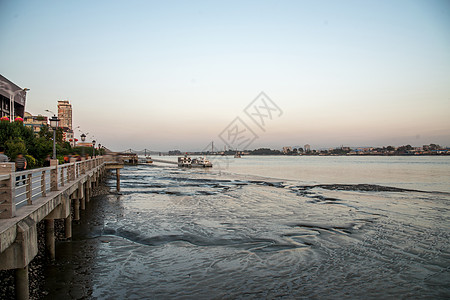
200 162
145 160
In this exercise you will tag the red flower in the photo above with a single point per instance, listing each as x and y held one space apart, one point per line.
18 119
70 140
4 119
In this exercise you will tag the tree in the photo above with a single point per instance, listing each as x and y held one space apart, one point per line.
14 146
15 137
18 138
434 147
265 151
40 148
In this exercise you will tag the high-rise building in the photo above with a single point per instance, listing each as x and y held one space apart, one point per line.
65 114
307 148
65 120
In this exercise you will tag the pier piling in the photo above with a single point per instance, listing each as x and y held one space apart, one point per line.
118 179
76 211
68 227
50 238
21 283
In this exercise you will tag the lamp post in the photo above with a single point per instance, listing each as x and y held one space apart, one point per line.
54 124
93 148
83 138
99 149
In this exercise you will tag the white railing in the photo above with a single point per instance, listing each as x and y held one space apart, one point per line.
18 189
30 185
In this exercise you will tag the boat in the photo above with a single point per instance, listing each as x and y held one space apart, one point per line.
145 160
184 161
201 162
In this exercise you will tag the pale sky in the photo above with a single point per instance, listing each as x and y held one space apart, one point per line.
169 75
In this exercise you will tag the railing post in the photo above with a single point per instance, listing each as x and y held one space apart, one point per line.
72 169
7 191
62 176
43 185
29 186
54 175
83 165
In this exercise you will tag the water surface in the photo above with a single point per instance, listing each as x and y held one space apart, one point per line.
205 234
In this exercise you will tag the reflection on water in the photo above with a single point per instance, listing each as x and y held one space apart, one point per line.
199 234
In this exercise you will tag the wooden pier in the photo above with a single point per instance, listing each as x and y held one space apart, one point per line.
165 161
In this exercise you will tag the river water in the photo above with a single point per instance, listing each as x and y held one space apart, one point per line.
263 228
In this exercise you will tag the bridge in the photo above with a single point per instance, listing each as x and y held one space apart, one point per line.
44 194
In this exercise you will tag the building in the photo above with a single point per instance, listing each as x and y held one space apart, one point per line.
68 136
65 121
287 149
307 148
65 114
85 144
35 122
12 99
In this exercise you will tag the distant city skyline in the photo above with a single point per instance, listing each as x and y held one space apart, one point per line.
164 76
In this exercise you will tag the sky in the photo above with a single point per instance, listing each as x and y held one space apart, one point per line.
166 75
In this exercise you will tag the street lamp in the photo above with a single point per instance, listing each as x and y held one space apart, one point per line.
100 149
54 124
83 138
93 148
